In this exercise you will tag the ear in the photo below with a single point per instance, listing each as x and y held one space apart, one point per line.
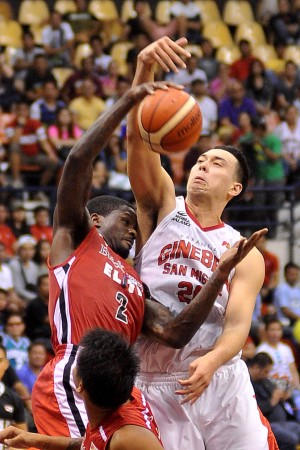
80 387
97 219
235 189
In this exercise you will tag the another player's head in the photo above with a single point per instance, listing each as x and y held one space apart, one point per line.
106 368
116 220
221 172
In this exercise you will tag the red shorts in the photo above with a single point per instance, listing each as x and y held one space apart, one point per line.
57 408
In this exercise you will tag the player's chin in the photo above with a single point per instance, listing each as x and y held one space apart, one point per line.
125 249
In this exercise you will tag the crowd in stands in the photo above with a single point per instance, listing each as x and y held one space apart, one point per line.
55 83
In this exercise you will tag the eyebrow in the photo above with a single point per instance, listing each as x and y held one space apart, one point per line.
214 158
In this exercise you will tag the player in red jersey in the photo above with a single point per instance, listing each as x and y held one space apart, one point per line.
119 416
92 285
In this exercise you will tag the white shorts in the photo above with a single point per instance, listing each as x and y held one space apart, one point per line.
225 417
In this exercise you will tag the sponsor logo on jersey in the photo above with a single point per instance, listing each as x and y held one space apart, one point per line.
182 217
226 244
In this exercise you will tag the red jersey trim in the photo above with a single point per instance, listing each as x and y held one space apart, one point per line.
214 227
83 244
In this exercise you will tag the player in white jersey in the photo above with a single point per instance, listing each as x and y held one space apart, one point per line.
201 395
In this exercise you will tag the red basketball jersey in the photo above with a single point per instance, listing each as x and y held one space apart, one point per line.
136 412
94 287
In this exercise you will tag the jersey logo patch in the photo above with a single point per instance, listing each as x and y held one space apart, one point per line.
226 244
181 217
9 408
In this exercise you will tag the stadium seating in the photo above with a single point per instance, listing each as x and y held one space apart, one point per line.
218 33
162 15
252 32
81 51
127 10
105 10
264 52
33 12
236 12
292 52
5 11
65 6
61 74
194 49
10 33
209 10
119 52
228 54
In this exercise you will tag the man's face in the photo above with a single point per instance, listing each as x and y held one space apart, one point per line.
292 275
274 332
37 356
214 175
119 230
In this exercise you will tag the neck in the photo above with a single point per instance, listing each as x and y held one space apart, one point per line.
207 214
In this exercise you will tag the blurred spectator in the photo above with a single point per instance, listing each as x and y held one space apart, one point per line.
58 40
42 251
249 349
220 85
259 87
7 285
268 149
284 372
203 144
207 105
272 267
36 314
45 108
9 91
286 87
288 131
237 102
271 402
143 23
9 377
15 342
191 73
37 76
287 296
240 69
110 79
100 179
4 311
244 127
83 24
41 229
208 62
7 236
101 60
64 133
115 159
284 24
74 86
140 41
11 409
88 106
24 57
29 145
189 23
24 269
17 221
29 372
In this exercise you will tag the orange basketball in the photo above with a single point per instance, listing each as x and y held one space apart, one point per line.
169 120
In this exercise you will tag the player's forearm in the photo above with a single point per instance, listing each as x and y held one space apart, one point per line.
178 331
144 72
55 442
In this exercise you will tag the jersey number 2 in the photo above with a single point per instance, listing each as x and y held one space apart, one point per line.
121 312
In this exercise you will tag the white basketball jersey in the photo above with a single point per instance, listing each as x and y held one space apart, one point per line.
177 260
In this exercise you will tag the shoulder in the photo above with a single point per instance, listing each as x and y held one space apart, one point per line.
132 437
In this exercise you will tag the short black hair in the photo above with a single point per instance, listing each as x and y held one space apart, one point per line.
261 360
107 366
243 171
290 265
105 204
39 209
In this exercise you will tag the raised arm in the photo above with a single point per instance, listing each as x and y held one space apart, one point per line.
71 219
177 331
151 185
14 437
244 289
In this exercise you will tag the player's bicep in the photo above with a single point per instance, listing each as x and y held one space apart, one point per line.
244 288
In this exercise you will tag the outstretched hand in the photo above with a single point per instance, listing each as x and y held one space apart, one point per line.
239 251
14 437
166 53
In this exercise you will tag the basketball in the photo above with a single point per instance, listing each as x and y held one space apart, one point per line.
169 120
